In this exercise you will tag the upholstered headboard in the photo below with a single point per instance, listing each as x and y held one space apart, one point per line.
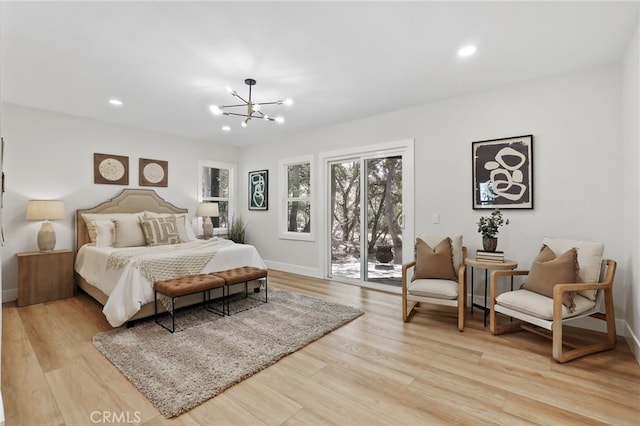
128 201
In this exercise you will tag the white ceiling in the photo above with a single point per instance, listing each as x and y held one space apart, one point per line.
339 61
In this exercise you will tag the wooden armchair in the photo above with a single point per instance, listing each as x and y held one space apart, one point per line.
434 289
592 294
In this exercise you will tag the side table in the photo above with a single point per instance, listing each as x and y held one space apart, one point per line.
44 276
487 266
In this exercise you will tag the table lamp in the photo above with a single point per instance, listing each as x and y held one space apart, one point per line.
45 210
207 211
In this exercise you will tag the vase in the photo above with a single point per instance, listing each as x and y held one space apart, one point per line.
489 244
384 254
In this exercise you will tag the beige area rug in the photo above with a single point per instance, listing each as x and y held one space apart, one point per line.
208 354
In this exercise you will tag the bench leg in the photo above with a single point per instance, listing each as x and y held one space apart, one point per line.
172 313
207 302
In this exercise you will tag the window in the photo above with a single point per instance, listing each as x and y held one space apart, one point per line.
216 185
295 184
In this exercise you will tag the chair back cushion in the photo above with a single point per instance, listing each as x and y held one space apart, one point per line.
436 262
456 246
589 259
547 270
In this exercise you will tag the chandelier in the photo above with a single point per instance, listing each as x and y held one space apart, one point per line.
253 109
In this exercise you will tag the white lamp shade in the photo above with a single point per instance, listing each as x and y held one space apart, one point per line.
208 210
45 210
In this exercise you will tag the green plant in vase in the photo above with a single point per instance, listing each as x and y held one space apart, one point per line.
488 226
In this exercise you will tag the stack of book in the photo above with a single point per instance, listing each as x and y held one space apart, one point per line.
489 256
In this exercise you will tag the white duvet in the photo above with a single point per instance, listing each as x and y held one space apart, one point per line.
128 289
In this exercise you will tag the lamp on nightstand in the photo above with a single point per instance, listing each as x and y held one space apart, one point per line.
207 211
45 210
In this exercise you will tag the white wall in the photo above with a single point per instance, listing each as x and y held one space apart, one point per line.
50 156
577 151
631 136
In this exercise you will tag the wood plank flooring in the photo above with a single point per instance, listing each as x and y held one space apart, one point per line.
376 370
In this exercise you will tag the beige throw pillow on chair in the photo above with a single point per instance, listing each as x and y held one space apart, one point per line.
434 263
547 270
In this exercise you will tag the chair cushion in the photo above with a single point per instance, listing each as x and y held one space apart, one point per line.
436 262
547 270
439 289
540 306
456 246
589 259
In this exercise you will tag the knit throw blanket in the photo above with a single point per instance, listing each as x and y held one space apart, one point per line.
170 261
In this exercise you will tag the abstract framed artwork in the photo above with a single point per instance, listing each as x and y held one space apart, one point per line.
110 169
503 173
259 190
153 172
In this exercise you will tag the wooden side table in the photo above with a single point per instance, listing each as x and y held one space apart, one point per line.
44 276
487 265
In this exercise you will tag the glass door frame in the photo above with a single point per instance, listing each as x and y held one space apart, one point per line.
405 148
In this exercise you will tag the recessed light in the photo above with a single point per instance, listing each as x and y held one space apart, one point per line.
226 128
115 102
466 51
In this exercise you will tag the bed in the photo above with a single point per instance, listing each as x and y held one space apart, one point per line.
126 291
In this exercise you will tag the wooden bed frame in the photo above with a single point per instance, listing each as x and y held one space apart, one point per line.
131 201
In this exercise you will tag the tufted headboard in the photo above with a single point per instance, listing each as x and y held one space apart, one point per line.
128 201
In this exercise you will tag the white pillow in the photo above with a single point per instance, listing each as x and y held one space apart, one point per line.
105 233
128 233
183 223
89 218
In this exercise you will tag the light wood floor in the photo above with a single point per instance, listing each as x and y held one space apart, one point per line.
374 370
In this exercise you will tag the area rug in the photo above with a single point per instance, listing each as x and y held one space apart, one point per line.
208 354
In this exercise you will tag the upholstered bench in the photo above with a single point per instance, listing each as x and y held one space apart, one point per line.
184 286
240 275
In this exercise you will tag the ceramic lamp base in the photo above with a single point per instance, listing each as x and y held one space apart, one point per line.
46 237
207 227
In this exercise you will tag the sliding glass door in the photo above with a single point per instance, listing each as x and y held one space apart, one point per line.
367 218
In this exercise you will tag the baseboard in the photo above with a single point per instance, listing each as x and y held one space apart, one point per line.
632 341
9 295
294 269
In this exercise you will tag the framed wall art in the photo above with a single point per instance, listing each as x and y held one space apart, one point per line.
110 169
503 173
259 190
153 172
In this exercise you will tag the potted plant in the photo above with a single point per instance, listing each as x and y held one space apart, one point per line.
236 230
384 254
488 227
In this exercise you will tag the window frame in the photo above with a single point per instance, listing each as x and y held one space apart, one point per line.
231 199
283 212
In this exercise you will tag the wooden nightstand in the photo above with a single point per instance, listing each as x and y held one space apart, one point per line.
44 276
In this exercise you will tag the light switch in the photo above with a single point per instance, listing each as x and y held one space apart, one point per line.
436 218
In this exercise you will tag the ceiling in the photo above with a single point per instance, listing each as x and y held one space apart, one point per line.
339 61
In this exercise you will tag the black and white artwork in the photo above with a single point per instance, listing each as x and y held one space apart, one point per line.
259 190
503 173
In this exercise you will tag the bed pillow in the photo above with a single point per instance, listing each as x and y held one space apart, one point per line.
183 222
89 218
160 231
547 270
104 233
434 263
128 233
